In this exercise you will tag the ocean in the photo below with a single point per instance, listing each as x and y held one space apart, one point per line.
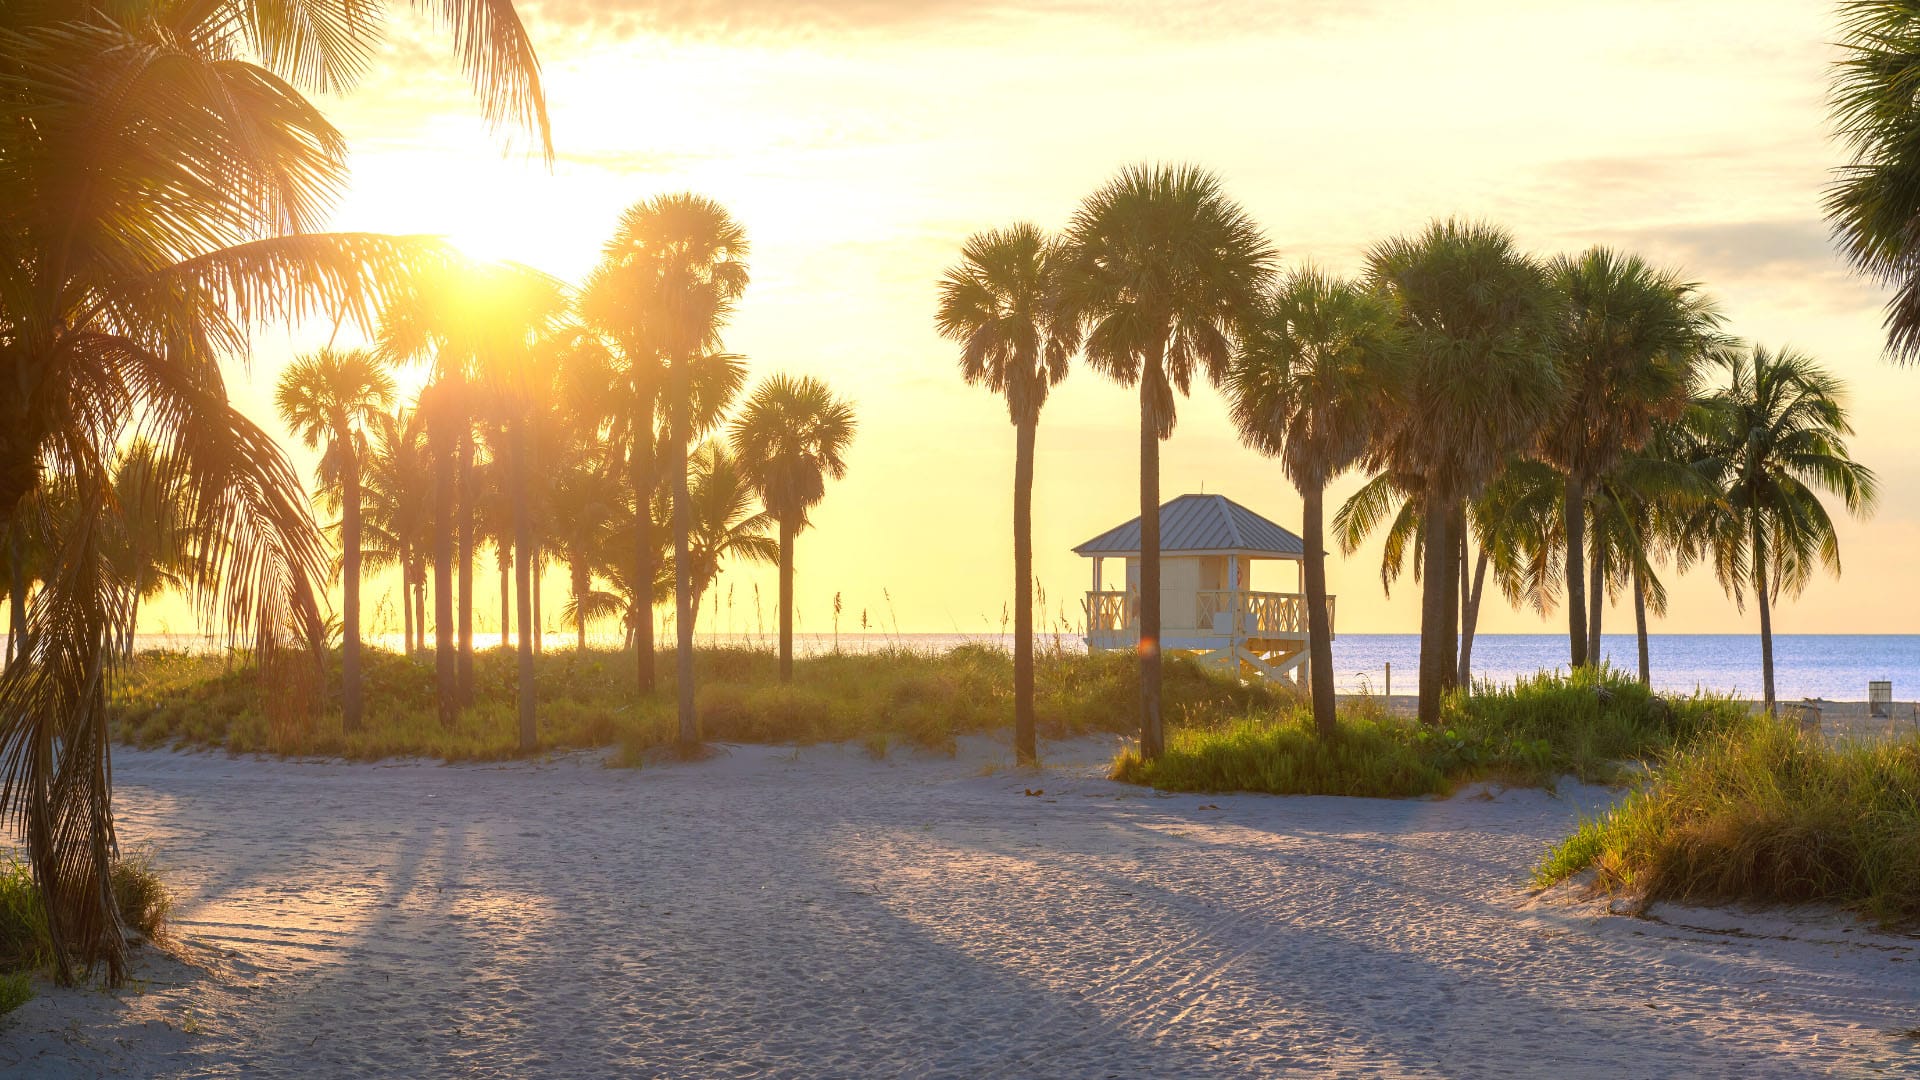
1832 666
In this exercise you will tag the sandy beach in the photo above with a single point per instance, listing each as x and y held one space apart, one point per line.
776 912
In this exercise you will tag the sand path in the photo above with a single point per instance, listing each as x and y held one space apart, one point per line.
774 913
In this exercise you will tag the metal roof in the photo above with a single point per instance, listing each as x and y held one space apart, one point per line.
1202 523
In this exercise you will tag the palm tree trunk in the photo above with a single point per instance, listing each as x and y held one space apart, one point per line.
1152 736
1435 652
1573 513
682 565
1640 625
420 607
1319 626
446 675
581 581
466 560
534 557
1447 662
406 608
133 624
16 597
1026 748
1766 619
523 587
786 601
506 594
1470 617
350 703
1596 601
641 617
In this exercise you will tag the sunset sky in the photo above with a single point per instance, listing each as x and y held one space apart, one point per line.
859 141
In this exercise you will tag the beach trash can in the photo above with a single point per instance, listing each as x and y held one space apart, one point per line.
1880 698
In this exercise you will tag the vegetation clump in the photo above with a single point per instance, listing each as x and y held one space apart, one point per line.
26 946
1761 812
1592 725
587 700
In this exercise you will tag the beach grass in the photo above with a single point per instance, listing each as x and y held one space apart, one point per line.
880 700
26 946
1766 813
1594 725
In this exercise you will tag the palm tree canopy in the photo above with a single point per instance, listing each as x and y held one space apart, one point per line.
1313 374
1002 305
1629 339
669 277
791 436
1769 439
726 524
1874 202
1161 268
330 400
1482 378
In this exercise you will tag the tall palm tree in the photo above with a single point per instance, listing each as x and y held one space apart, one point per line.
726 523
1769 438
396 520
1874 202
331 399
118 309
1160 266
1481 382
677 266
790 437
1001 303
1314 370
1629 337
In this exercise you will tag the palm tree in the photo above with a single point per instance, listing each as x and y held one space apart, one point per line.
397 527
1629 337
1001 304
1769 439
726 524
1159 266
1481 382
675 268
119 310
1316 368
332 398
145 547
1873 204
790 437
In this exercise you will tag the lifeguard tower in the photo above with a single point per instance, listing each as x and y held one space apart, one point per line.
1208 607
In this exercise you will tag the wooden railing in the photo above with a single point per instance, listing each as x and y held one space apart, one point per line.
1112 611
1253 614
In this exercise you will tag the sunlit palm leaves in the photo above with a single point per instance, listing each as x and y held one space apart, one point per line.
1874 204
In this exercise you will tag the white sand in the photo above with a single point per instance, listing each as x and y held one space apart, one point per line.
774 913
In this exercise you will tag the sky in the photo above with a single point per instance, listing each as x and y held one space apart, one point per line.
860 142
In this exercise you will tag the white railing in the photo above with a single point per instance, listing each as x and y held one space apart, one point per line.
1237 613
1112 611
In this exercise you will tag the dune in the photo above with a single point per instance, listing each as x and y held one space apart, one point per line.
813 912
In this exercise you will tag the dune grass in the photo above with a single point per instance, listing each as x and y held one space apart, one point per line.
1596 726
1763 813
25 946
881 700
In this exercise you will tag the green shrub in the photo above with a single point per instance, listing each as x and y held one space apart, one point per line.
1762 812
16 989
1589 725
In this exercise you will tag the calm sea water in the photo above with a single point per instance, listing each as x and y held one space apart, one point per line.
1833 666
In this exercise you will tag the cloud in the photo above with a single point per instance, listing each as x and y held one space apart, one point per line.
786 20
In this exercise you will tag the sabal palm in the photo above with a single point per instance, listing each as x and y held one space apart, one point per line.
727 524
1002 304
396 513
791 436
1629 338
1874 202
119 305
1770 438
330 400
1313 372
674 270
1160 267
146 546
1482 379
